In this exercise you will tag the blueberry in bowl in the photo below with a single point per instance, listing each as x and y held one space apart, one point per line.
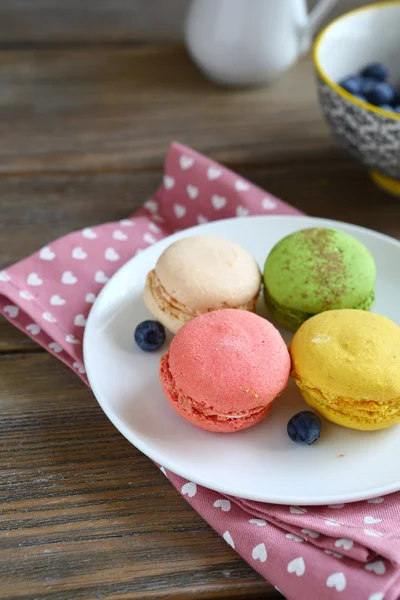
358 80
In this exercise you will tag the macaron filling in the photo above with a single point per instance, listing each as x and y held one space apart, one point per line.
293 318
191 407
170 305
372 414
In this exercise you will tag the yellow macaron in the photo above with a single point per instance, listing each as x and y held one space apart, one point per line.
347 366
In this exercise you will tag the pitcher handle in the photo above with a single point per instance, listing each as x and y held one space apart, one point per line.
318 13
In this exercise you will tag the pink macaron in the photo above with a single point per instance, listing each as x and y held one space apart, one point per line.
224 369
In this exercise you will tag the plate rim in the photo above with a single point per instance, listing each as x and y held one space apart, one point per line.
142 447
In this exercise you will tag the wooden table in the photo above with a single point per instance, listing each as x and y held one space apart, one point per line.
83 134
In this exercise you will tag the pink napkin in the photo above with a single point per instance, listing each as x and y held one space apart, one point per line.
351 552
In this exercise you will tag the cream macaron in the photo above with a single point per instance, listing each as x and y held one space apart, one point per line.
200 274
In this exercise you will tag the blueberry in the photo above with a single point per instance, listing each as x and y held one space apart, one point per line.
361 97
383 93
368 84
397 109
149 335
351 84
376 70
386 107
304 427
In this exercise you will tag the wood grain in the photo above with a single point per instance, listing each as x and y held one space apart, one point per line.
88 21
84 514
106 108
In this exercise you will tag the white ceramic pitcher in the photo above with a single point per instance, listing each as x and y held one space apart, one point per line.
250 42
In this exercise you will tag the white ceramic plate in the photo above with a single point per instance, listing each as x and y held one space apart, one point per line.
260 463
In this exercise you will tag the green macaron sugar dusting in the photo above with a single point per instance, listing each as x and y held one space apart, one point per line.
318 269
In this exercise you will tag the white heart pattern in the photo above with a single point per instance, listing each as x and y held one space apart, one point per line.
224 505
90 298
111 254
335 554
100 277
228 538
126 223
295 538
201 220
268 203
57 300
151 205
89 234
68 278
373 533
189 489
260 553
11 310
259 522
158 218
80 321
213 173
79 368
78 253
119 235
33 328
313 534
169 182
186 162
47 254
26 295
4 276
148 238
154 228
297 565
344 543
192 191
377 596
47 316
179 210
218 202
371 520
242 211
71 339
337 581
377 567
34 279
55 347
241 186
298 510
377 500
332 523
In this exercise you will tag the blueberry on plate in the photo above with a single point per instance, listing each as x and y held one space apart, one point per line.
352 84
383 93
150 335
304 427
375 70
397 109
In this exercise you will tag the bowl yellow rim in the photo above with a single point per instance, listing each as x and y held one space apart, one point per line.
335 86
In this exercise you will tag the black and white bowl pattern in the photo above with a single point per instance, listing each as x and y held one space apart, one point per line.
369 136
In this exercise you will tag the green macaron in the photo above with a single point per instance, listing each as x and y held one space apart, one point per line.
314 270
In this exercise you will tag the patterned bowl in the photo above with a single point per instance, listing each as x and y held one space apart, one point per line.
371 134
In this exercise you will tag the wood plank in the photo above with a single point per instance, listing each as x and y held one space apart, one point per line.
106 108
84 514
47 207
86 21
